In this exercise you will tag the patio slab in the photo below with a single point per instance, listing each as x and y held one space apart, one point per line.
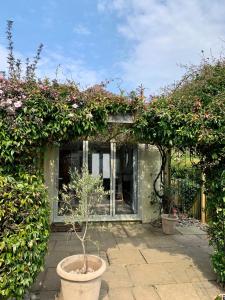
183 291
125 256
161 255
51 281
191 229
142 264
149 274
116 277
145 292
186 272
121 294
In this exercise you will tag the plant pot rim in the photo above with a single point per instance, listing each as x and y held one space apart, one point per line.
80 277
166 216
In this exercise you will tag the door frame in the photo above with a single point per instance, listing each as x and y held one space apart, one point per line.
112 215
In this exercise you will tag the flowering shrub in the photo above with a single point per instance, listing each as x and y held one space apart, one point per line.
35 113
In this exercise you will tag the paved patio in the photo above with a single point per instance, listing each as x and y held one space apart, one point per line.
143 264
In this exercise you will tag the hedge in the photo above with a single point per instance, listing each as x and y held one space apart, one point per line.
24 221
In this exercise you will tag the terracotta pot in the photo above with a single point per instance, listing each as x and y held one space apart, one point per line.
80 286
169 224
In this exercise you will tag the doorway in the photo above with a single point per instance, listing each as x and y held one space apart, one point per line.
117 164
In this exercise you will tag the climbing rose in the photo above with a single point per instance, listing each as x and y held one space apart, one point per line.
18 104
8 101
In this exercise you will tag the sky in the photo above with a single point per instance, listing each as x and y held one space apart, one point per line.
129 42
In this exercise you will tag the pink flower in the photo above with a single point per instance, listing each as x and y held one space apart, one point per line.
43 87
18 104
1 92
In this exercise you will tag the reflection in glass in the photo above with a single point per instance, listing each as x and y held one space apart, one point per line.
125 184
122 200
99 164
70 158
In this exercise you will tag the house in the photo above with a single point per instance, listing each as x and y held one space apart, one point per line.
128 172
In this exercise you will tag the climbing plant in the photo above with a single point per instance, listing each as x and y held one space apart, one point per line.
35 113
191 116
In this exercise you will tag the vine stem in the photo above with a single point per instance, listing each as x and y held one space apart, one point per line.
160 174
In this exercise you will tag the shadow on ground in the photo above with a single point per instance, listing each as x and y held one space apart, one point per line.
143 263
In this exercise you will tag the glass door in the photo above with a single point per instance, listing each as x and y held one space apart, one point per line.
99 158
117 164
71 157
125 180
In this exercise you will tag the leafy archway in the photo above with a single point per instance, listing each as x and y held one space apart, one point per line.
35 113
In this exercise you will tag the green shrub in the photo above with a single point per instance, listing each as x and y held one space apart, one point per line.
216 209
24 221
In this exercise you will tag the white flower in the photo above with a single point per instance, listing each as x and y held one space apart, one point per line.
71 115
10 110
18 104
89 116
1 92
2 103
75 105
9 101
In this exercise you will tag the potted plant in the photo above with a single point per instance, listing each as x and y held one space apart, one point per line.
81 274
169 219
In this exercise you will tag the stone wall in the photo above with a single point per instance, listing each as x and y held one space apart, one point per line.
149 162
51 157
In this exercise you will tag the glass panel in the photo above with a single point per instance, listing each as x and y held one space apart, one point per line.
70 157
125 197
99 164
95 164
106 166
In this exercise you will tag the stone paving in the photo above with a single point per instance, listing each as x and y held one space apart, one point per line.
143 264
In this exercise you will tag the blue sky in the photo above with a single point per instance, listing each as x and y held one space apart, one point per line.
130 41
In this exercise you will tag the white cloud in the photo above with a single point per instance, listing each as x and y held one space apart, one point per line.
164 33
54 65
102 5
118 5
3 58
81 29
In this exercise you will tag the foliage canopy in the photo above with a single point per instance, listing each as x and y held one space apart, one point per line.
35 113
